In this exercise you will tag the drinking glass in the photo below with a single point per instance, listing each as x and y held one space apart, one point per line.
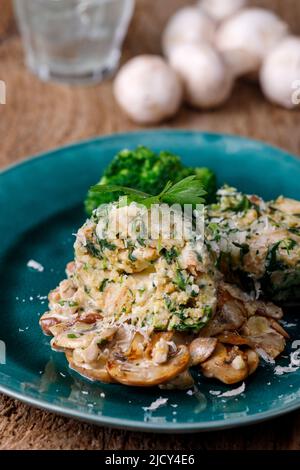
76 41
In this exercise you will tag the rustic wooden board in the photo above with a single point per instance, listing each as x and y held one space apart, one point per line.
41 116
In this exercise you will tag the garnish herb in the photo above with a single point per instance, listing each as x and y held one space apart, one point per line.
187 191
169 255
103 285
180 280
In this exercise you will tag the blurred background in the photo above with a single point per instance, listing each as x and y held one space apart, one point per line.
41 115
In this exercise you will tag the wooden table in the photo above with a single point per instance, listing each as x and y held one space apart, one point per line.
40 116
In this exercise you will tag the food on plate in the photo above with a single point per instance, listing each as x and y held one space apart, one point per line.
143 305
147 171
256 244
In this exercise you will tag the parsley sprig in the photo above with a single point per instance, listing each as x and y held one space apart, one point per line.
187 191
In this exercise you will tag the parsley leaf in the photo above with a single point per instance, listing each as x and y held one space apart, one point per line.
187 191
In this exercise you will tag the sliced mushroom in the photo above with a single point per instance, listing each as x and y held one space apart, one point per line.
201 349
277 327
90 318
183 381
69 340
66 289
232 337
232 291
80 335
139 369
229 317
94 372
229 365
230 314
266 309
48 322
260 332
252 359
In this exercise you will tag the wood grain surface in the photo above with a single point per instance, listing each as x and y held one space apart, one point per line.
39 116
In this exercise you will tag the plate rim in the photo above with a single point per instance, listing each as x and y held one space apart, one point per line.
164 428
125 423
166 131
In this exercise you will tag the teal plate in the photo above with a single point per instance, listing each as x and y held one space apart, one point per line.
41 209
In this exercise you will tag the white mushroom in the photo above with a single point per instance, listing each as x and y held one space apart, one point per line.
143 372
247 37
280 74
47 322
201 349
207 81
264 333
229 364
148 89
221 9
188 25
183 381
96 371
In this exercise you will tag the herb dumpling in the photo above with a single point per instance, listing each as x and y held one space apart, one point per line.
163 282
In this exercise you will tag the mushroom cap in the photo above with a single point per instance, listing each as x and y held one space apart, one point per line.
188 25
182 381
148 89
142 371
247 37
47 322
280 74
98 372
220 10
201 349
206 78
229 364
264 333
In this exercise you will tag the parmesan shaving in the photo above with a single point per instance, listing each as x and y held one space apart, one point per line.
35 265
156 404
234 392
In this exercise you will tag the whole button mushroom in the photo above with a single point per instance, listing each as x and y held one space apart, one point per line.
148 89
280 74
188 25
220 10
207 80
247 37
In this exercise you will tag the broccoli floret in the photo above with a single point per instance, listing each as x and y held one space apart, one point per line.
146 171
208 180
